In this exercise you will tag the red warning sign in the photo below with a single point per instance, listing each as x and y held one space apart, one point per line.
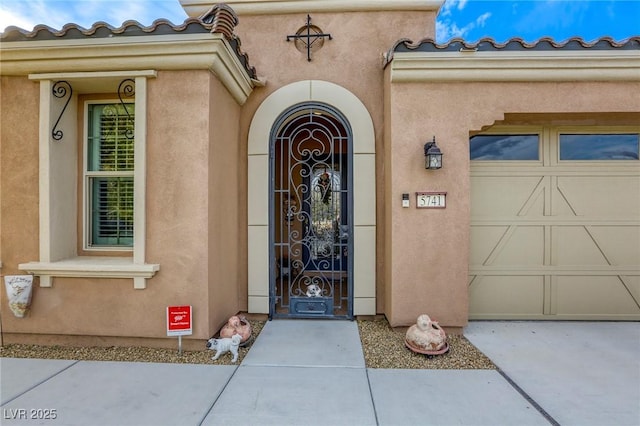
179 320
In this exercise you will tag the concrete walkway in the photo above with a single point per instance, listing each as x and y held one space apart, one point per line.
313 373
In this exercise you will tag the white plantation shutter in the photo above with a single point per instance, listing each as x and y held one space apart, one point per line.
112 211
110 174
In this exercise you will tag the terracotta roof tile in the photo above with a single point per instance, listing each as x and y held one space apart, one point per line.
218 20
222 19
103 30
514 44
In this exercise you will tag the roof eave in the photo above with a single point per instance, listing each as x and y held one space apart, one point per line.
158 52
195 8
525 66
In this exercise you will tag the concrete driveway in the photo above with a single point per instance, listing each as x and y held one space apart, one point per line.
579 373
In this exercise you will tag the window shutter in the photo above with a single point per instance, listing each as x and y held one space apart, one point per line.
111 164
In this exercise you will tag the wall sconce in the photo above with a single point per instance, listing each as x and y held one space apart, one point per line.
432 155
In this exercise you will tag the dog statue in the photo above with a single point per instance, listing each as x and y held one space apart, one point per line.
314 290
224 345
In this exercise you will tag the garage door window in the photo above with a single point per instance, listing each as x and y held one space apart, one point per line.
505 147
599 147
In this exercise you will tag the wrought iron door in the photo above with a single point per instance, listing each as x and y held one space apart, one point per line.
310 220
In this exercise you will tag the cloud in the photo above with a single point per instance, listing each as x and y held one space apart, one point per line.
137 11
482 19
461 4
446 28
553 15
8 18
27 14
448 5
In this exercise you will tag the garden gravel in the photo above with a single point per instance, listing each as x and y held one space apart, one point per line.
383 347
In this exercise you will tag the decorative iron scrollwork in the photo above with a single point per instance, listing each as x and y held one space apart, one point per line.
127 89
60 90
309 38
310 214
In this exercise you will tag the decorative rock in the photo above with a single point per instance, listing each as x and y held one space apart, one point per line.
237 325
426 336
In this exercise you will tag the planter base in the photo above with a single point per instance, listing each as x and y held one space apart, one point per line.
445 349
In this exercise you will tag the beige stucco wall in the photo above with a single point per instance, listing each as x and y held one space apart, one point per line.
177 200
18 176
191 171
227 273
427 250
353 60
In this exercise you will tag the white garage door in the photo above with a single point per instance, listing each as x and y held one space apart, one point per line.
555 224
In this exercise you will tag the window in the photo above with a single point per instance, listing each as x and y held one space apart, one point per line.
599 147
504 147
110 178
109 175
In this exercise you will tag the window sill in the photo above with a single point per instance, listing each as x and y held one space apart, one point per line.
92 267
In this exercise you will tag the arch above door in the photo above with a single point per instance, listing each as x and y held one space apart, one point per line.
364 189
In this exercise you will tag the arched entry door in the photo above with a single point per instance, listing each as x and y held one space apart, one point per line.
311 207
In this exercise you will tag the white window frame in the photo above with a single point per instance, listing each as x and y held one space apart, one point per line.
58 164
86 178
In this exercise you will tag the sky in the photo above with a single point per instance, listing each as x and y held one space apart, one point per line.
467 19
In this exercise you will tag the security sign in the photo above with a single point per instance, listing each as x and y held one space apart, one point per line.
179 320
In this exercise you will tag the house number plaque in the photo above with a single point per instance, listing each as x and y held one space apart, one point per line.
431 200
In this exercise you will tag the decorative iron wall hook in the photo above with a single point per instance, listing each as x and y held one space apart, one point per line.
127 89
60 89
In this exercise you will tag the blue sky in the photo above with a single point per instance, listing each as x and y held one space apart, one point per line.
469 19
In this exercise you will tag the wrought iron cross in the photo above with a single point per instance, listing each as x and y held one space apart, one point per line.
309 36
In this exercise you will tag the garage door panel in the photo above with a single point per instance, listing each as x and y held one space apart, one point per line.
562 207
483 241
507 245
594 295
493 296
555 238
632 283
575 246
524 246
496 196
603 196
620 244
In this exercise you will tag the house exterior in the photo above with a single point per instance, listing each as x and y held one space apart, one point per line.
269 157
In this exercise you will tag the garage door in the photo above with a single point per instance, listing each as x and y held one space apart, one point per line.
555 224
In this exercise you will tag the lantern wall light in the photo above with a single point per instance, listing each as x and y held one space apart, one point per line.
432 155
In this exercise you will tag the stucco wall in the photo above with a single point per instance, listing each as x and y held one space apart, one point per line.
428 249
177 193
190 168
18 177
352 59
226 246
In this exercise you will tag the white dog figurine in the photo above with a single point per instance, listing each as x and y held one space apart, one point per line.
228 344
314 291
